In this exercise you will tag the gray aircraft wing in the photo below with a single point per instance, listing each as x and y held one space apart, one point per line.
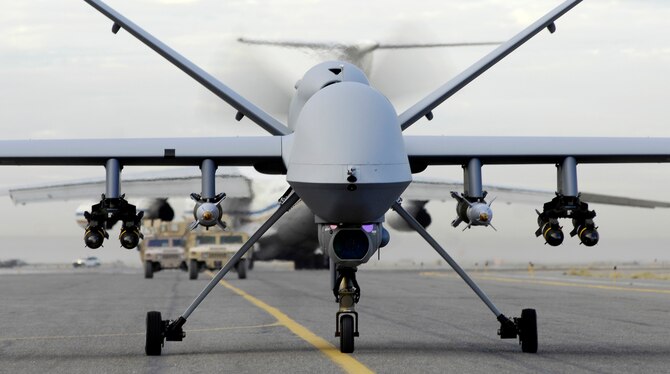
361 46
437 97
242 105
425 189
162 184
225 151
458 150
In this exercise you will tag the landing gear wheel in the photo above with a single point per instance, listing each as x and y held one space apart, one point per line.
154 342
193 269
242 269
347 334
528 330
148 270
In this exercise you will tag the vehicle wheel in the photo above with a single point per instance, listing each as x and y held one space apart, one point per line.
154 342
148 270
193 269
347 334
242 269
528 331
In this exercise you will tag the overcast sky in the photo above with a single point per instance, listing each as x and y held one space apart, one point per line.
605 72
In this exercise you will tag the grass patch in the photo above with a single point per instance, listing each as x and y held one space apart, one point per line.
579 273
650 275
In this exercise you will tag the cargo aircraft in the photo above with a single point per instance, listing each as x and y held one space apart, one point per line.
346 159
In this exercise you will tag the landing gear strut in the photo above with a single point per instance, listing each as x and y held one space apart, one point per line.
525 327
158 330
347 294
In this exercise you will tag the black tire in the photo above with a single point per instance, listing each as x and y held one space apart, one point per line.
242 269
154 342
148 270
347 334
193 269
528 331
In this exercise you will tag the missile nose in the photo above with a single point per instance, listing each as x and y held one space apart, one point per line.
484 217
129 240
554 237
207 215
93 239
589 237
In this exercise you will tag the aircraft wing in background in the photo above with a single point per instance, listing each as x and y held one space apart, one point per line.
426 189
158 185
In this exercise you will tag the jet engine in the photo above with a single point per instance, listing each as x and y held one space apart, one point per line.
417 209
158 209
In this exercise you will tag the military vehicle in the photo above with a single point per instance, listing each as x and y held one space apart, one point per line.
210 250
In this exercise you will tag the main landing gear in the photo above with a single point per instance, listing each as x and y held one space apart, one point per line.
347 293
159 330
524 327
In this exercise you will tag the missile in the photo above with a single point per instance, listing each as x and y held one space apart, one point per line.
586 231
207 212
552 233
473 213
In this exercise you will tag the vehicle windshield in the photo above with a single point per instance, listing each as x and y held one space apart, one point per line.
200 240
232 239
158 243
177 242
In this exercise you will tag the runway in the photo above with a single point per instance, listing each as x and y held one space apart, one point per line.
68 321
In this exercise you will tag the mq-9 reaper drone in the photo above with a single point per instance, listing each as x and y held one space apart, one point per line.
344 154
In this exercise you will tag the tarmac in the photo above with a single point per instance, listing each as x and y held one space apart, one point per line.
278 320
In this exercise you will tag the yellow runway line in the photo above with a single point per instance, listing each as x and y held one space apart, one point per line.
554 283
56 337
345 361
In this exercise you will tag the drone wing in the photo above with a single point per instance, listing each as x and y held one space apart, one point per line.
437 97
243 106
458 150
225 151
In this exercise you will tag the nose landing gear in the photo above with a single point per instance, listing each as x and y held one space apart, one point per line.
347 294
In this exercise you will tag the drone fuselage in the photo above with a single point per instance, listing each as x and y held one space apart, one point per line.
347 159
